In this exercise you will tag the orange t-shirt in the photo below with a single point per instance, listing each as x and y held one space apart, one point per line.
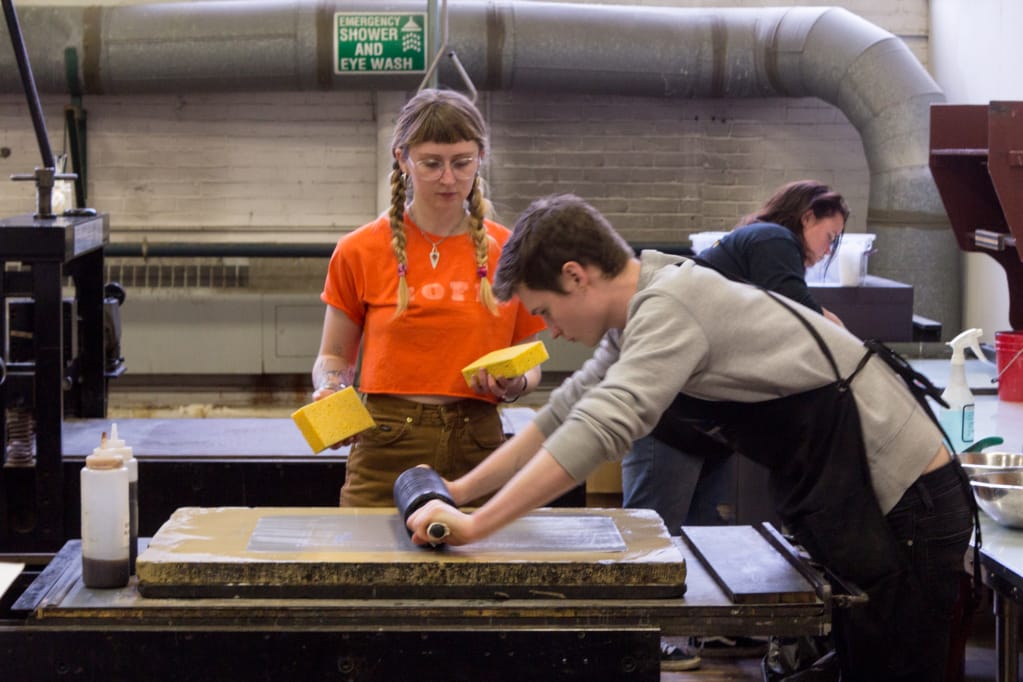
445 326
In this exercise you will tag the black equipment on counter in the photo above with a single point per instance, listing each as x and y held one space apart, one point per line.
414 488
57 365
113 298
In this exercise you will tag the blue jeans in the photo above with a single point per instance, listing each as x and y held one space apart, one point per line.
673 483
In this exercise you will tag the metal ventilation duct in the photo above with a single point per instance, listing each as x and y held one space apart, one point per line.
827 53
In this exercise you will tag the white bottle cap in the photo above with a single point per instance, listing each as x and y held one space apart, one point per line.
117 444
113 441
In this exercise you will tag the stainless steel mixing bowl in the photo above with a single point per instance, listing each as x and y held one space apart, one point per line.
988 462
1000 494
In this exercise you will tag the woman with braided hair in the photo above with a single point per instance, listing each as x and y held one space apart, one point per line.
409 304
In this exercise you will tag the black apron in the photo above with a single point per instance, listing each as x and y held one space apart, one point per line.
812 444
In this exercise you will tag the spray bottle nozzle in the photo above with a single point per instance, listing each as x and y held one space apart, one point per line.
967 339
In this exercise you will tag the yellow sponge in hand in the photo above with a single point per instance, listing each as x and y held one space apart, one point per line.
508 362
339 416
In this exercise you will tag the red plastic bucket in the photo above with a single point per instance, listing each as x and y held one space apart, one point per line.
1009 354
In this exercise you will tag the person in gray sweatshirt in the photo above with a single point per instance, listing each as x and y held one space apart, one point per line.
859 473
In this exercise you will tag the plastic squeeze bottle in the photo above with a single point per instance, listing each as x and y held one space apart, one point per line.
957 418
104 481
116 446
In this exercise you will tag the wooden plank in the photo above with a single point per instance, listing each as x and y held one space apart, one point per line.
746 567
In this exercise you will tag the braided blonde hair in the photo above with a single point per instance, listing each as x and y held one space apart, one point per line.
441 117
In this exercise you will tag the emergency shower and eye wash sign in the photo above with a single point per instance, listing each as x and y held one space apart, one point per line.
386 42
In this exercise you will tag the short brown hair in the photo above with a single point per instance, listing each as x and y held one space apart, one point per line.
552 231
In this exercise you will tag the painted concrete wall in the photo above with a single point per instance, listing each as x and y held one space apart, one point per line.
305 167
300 166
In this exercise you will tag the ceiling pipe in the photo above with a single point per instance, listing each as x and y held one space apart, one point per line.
824 52
827 53
685 53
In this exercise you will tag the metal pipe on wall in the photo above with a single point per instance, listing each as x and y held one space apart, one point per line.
829 53
216 250
823 52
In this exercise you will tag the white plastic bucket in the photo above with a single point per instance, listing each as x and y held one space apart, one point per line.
849 265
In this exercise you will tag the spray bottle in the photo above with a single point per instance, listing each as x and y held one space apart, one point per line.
957 418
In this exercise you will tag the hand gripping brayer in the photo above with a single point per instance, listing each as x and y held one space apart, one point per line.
414 488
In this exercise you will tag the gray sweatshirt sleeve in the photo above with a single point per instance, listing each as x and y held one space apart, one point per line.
563 398
621 392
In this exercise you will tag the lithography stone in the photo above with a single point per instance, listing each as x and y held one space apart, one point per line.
366 553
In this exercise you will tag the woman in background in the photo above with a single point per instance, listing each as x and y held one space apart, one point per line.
679 475
798 227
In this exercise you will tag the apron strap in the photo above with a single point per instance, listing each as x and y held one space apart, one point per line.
860 365
809 327
843 383
919 385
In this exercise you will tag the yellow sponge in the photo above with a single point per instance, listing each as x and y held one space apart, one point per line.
508 362
333 419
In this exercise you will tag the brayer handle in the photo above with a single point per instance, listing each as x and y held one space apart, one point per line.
414 488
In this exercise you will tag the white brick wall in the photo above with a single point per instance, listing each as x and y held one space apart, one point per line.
302 167
661 169
235 162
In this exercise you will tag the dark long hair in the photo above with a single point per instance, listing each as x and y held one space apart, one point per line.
790 201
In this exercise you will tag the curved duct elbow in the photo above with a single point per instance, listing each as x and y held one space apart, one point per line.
873 78
823 52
